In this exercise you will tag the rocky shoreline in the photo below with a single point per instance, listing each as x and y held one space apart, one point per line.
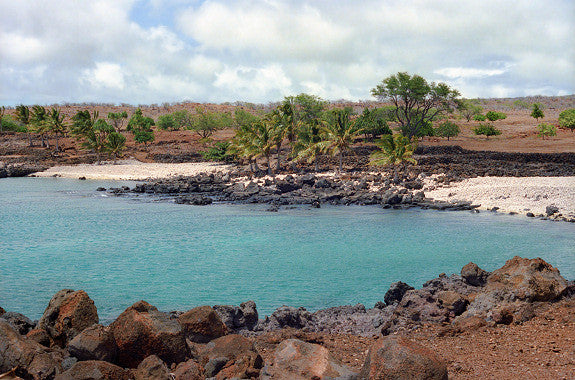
221 341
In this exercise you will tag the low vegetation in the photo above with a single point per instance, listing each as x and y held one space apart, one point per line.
486 129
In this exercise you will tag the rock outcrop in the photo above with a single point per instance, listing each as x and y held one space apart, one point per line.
94 343
396 357
202 324
141 330
68 313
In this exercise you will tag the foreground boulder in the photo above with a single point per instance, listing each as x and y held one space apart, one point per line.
231 356
508 290
94 343
95 370
68 313
474 275
297 360
202 324
30 359
20 322
244 317
152 368
395 357
189 370
141 330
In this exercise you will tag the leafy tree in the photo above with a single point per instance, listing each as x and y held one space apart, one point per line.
479 117
567 119
8 124
426 130
494 116
416 101
144 137
182 120
307 108
115 144
374 123
56 124
395 151
469 109
254 140
243 118
167 122
338 133
546 130
205 123
306 146
486 129
95 139
117 119
537 112
447 129
140 122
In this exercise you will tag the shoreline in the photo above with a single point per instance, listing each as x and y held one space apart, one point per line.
529 196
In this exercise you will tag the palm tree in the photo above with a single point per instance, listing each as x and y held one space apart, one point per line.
395 151
83 122
95 139
307 146
338 133
23 117
56 124
255 140
115 144
39 122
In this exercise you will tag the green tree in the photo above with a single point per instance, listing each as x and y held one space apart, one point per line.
546 130
494 116
416 101
182 120
23 117
56 125
486 129
220 151
374 123
338 133
96 138
117 119
83 123
167 122
244 118
39 123
115 144
254 140
395 151
447 129
204 123
306 145
141 127
567 119
469 109
537 112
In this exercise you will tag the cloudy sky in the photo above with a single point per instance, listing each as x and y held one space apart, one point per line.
155 51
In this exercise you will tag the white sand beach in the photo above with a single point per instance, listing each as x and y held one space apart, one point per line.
513 194
131 170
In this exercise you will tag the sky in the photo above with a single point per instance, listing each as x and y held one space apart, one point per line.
156 51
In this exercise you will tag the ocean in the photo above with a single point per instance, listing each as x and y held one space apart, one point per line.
60 233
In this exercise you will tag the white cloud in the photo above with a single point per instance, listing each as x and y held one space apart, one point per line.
105 74
261 50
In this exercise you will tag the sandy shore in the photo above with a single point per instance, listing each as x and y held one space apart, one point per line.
131 170
513 194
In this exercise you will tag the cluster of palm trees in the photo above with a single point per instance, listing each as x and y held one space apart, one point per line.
96 134
310 131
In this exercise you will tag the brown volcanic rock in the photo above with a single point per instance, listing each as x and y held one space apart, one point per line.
94 370
94 343
189 370
527 280
298 360
152 368
32 359
396 357
242 358
141 330
68 313
202 324
39 336
474 275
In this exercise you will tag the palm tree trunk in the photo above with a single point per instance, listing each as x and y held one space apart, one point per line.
316 164
57 145
269 165
340 161
278 162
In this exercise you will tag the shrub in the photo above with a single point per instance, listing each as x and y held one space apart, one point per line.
494 116
537 113
567 119
546 130
167 122
218 152
487 130
447 129
8 124
142 136
479 117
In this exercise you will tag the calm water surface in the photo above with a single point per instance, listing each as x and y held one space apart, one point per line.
58 233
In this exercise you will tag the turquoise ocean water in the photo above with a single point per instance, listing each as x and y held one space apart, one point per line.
59 233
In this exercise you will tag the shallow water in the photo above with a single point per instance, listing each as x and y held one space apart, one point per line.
58 233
